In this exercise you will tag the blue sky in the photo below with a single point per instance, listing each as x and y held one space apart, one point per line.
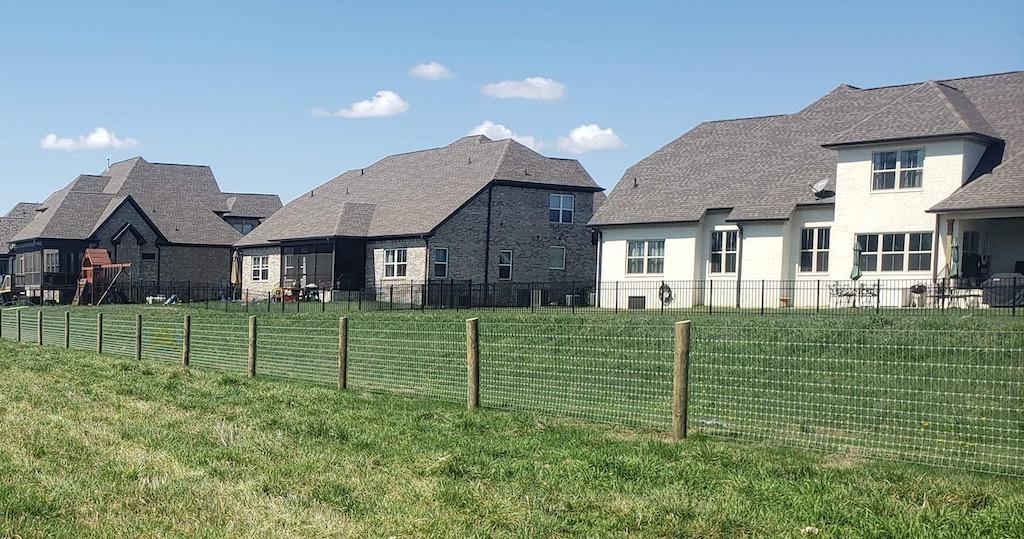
234 85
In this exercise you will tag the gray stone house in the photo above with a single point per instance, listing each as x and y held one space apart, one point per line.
171 222
476 211
13 221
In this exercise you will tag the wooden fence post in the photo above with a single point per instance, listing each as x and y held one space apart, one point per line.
39 327
67 330
99 333
138 337
186 341
343 353
680 380
473 363
252 346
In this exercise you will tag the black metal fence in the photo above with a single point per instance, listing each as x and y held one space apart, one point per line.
995 297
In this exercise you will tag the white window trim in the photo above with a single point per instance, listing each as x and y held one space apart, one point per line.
814 250
396 264
433 268
572 209
511 264
645 257
263 269
564 254
725 251
898 170
905 253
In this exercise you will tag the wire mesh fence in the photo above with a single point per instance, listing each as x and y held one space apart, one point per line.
942 396
414 356
951 398
612 372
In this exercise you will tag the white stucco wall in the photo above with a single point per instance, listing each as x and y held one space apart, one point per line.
680 250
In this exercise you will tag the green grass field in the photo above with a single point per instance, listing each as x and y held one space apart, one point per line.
940 389
104 446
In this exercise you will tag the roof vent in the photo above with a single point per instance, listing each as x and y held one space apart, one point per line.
635 183
362 171
526 171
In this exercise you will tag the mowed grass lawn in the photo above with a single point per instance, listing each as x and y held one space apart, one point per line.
101 446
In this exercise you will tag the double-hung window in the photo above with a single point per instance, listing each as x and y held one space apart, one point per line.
260 268
724 251
814 244
556 257
645 257
441 262
561 208
395 262
51 262
505 265
897 251
904 168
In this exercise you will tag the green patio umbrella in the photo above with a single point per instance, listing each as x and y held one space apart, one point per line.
855 273
954 262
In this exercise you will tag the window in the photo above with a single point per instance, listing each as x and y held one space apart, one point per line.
723 251
899 251
505 265
556 258
645 256
893 247
814 243
907 165
51 261
560 208
395 262
441 262
261 268
244 226
920 253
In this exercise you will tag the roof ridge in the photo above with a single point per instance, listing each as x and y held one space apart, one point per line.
969 77
881 110
745 118
501 159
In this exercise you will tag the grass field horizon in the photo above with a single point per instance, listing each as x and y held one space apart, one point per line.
101 446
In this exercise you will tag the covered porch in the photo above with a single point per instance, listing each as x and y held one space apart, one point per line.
982 244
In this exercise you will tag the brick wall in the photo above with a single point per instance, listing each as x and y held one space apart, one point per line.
519 222
128 250
198 264
260 289
415 253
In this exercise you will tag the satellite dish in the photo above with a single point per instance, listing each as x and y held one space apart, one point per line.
819 185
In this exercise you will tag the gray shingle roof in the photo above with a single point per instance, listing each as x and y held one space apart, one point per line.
182 201
252 205
23 210
761 168
412 193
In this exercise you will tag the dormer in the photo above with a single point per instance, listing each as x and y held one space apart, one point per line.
931 119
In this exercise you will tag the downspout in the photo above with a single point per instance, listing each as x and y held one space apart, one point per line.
935 251
600 249
487 240
739 263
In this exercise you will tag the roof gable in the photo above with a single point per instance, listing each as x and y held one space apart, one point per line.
412 193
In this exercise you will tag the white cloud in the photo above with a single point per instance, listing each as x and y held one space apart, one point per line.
495 131
97 139
589 138
531 88
431 71
383 103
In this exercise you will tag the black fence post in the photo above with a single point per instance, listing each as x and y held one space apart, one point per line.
616 296
1015 297
711 295
762 297
878 295
817 297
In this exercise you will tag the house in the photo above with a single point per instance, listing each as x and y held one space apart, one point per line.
10 224
476 211
171 222
925 180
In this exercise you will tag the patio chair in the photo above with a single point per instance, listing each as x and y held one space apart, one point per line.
840 296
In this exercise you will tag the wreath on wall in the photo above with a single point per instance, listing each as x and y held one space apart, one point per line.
665 294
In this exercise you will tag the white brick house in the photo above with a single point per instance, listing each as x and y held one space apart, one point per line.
927 179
